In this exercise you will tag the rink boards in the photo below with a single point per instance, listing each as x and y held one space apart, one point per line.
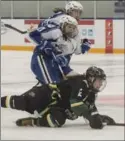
106 36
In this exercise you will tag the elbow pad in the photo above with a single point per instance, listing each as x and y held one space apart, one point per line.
35 36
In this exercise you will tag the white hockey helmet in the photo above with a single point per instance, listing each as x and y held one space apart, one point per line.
74 5
69 20
69 26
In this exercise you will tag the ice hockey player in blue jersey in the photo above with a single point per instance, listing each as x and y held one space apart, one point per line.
48 30
72 8
55 50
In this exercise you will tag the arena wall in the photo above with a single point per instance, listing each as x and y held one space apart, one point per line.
106 36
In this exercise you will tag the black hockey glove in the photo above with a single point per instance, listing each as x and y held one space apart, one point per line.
70 114
95 121
108 120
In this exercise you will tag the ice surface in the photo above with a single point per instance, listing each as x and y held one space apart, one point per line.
16 77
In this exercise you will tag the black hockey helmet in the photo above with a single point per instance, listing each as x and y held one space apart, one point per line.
96 78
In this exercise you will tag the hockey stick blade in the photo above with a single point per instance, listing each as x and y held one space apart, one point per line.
14 28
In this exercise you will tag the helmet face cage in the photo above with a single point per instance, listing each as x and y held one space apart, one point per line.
99 84
96 78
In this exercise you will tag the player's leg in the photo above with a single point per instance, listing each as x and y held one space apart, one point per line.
36 98
44 69
54 118
69 72
39 68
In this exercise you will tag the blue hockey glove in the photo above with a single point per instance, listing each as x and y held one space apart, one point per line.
46 48
61 60
86 45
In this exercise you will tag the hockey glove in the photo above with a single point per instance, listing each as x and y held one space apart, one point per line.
70 114
86 45
95 121
108 120
61 60
48 49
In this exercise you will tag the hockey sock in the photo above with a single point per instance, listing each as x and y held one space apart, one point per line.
5 102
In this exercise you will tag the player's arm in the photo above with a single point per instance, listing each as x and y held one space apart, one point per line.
83 46
91 113
45 32
35 36
82 109
66 88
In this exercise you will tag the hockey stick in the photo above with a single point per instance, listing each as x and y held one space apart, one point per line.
16 29
114 124
63 75
24 32
117 124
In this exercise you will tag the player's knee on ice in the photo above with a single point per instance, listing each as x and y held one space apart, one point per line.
55 118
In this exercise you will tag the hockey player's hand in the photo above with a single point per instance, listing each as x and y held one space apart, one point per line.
86 45
95 121
70 114
61 60
48 51
46 48
108 120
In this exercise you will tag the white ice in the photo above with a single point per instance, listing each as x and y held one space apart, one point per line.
16 78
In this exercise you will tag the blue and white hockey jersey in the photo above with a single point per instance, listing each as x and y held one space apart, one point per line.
45 26
49 35
49 30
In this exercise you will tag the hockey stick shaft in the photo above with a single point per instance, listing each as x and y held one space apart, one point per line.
118 124
64 77
16 29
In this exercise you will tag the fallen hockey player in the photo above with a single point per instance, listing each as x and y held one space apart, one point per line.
68 99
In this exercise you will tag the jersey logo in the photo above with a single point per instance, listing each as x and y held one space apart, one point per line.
80 93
